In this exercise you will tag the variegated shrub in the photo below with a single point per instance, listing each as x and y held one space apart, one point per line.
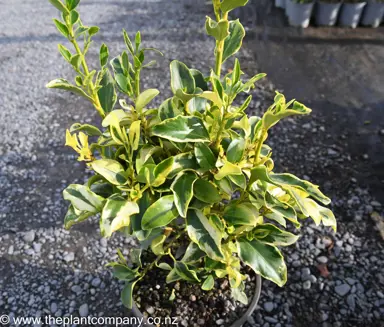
171 173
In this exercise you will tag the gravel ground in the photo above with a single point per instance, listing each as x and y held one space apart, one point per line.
334 279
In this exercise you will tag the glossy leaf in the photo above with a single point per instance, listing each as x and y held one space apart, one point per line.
134 134
204 156
168 110
193 254
219 30
266 260
206 191
88 129
204 234
228 5
239 214
182 189
145 98
111 170
63 84
116 214
236 150
83 199
208 284
228 169
104 55
59 5
181 78
107 93
127 294
182 129
273 235
73 217
185 272
233 42
160 213
199 79
157 244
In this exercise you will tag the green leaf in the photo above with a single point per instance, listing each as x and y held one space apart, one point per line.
111 170
228 5
74 216
145 155
134 134
219 30
63 84
236 150
157 244
182 162
182 129
185 273
62 28
199 79
204 156
165 266
319 213
192 253
228 169
162 170
116 214
238 180
204 234
135 256
168 110
182 188
136 220
107 94
72 4
83 199
145 97
233 42
196 104
273 235
239 295
59 5
65 52
239 214
126 295
88 129
266 260
93 30
76 61
74 17
173 276
104 55
205 191
160 213
181 78
208 284
122 272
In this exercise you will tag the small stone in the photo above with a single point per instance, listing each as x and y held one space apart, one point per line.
53 307
324 317
375 204
351 301
220 322
322 259
37 247
192 298
29 236
150 310
305 272
104 242
69 257
268 306
96 282
342 289
365 156
307 285
11 250
331 152
201 322
83 310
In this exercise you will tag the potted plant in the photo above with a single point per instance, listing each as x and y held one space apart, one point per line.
280 4
373 13
351 12
300 12
192 179
327 12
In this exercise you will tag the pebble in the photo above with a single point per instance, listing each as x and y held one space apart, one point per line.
268 306
342 289
307 285
322 259
29 236
220 322
84 310
96 282
69 257
150 310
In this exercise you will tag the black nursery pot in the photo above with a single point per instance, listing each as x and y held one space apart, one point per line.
238 323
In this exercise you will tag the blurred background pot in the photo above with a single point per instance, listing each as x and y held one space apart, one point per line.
373 13
280 4
327 12
350 13
300 13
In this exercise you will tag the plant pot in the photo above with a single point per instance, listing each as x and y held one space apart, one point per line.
326 13
351 13
238 323
299 14
280 4
373 14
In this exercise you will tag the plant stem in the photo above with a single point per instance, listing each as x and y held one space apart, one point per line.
219 51
137 83
218 136
258 149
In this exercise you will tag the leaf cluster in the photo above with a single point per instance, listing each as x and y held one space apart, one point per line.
195 167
